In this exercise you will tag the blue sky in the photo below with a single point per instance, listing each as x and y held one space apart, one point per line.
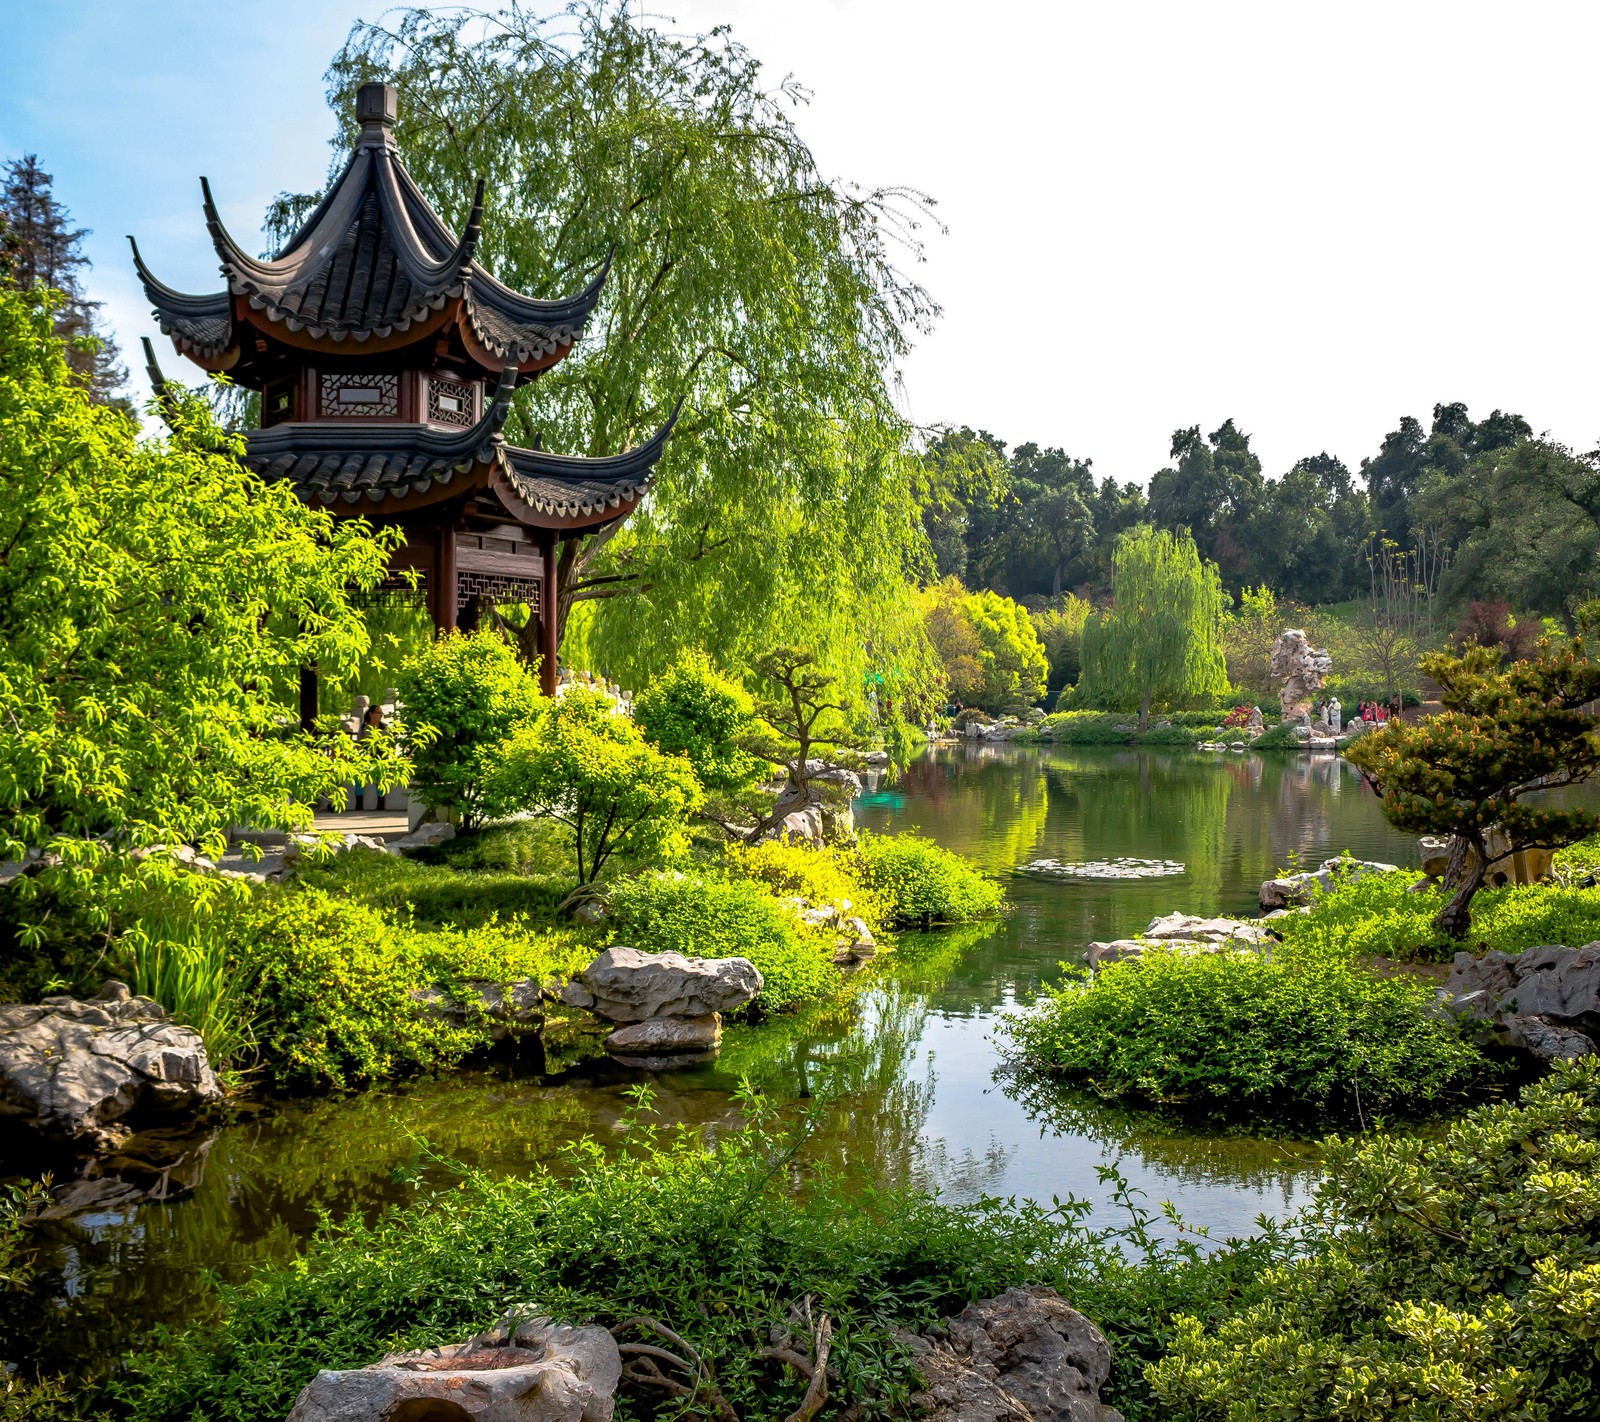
1313 219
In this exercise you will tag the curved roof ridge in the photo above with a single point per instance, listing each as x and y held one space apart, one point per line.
543 463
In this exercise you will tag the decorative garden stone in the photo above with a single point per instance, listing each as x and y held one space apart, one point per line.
1027 1356
1186 933
506 1009
1304 670
85 1072
530 1371
1295 889
1543 1001
625 985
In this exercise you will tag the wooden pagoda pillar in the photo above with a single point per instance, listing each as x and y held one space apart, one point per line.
549 619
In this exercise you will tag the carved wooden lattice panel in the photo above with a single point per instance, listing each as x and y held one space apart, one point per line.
450 402
360 395
502 587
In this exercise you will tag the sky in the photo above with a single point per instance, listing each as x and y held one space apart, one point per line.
1310 218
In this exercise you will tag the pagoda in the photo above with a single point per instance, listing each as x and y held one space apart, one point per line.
386 358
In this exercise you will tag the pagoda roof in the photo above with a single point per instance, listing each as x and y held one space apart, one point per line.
394 467
372 261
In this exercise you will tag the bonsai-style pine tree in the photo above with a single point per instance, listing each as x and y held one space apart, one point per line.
800 719
1161 641
1505 735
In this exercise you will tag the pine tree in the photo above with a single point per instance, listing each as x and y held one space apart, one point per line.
1504 735
40 248
1161 642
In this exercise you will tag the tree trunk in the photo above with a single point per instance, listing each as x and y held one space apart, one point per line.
1144 714
1456 916
1055 583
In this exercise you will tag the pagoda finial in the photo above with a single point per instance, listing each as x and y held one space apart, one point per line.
377 106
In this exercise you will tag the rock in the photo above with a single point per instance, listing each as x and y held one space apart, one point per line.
876 757
1304 670
1321 743
667 1036
1027 1356
422 837
1295 889
1207 930
591 913
523 1372
1435 852
1524 866
510 1008
1543 1001
1256 725
625 985
803 824
83 1072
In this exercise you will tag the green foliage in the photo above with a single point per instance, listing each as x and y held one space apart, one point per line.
709 915
1380 915
1011 662
1300 1030
1088 728
333 986
1160 644
1504 737
179 955
497 873
463 696
156 603
693 710
1060 628
1279 737
718 1244
1577 861
1460 1280
820 874
589 768
918 882
766 296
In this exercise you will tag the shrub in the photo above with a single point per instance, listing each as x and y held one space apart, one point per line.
713 916
1279 737
1088 728
442 893
331 986
717 1244
589 768
1176 736
1460 1281
694 711
1381 916
820 874
1293 1030
462 698
918 882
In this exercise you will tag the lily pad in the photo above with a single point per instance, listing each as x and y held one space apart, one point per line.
1100 869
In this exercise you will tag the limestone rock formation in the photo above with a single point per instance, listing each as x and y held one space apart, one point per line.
1543 1001
625 985
670 1007
529 1371
1027 1356
1304 670
507 1009
85 1072
1295 889
1186 932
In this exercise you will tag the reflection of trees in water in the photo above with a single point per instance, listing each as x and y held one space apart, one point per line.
1193 1152
988 802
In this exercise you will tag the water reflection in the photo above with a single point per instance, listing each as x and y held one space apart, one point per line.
907 1064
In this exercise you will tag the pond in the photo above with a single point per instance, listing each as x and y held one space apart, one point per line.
908 1066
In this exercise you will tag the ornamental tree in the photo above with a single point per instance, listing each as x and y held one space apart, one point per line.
591 769
693 710
1506 735
157 601
1161 641
462 697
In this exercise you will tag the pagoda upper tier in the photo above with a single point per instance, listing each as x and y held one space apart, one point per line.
374 270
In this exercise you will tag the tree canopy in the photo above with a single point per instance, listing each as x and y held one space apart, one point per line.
1160 644
157 601
767 298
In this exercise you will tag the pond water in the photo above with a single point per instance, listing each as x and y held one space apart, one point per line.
909 1064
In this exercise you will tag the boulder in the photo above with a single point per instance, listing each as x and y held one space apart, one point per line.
422 837
1304 670
1294 889
625 985
1185 932
1543 1001
657 1036
527 1371
84 1072
1434 850
1027 1356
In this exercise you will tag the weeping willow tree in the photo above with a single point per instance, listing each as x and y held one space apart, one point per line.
766 297
1160 644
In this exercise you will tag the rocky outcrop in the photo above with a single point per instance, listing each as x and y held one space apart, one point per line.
1304 670
670 1007
86 1072
1544 1002
1295 889
1523 866
1027 1356
530 1371
1186 932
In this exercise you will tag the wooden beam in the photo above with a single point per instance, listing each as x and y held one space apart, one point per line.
549 620
443 589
